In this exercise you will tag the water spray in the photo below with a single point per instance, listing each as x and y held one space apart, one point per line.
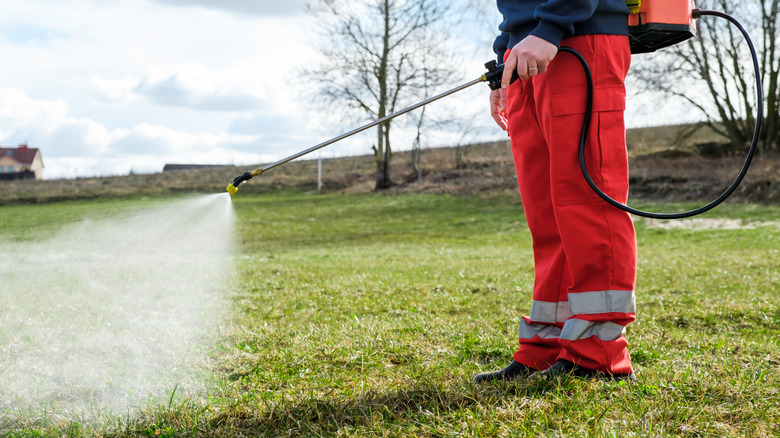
89 333
652 24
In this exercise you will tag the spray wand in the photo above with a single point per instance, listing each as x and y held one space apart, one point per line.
492 77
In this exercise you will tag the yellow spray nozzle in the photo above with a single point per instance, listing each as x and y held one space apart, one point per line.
232 189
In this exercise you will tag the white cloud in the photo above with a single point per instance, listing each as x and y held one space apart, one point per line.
196 86
263 8
21 32
119 90
262 124
147 138
78 138
42 122
17 109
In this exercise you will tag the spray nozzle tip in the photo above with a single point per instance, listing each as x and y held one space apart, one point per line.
232 189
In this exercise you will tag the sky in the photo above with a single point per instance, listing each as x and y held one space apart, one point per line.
108 88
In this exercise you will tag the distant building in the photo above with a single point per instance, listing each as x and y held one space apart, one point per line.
21 163
175 167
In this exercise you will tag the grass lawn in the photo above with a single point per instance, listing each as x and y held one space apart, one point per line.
367 315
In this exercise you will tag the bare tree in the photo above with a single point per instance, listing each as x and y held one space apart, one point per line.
379 56
713 71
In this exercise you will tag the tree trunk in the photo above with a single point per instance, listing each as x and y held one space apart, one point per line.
383 130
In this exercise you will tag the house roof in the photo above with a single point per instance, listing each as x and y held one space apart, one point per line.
22 154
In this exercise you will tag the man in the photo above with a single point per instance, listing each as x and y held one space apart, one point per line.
584 249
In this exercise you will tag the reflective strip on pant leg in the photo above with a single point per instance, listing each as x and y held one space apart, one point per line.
605 301
544 331
576 329
545 311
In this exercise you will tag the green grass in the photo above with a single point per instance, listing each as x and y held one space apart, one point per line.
367 315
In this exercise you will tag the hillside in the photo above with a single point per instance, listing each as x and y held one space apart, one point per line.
658 172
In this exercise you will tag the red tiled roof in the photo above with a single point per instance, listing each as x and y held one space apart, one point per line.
22 154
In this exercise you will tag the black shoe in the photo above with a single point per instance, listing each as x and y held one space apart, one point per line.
564 368
512 371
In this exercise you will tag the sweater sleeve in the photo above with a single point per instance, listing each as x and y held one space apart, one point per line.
500 45
558 17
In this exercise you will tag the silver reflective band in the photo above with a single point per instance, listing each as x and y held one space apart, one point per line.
545 311
544 331
576 329
589 303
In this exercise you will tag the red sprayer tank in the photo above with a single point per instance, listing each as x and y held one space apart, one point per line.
654 24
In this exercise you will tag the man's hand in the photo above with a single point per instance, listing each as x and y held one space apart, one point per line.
529 57
497 109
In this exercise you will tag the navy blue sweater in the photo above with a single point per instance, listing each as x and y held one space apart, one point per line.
553 20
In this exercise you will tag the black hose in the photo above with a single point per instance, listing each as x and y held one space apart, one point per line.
745 166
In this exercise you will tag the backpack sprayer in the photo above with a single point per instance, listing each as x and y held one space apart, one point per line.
652 24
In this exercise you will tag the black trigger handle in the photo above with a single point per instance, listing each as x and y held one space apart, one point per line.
494 74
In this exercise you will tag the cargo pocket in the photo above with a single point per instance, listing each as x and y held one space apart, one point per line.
605 150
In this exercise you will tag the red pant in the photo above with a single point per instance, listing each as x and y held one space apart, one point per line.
584 249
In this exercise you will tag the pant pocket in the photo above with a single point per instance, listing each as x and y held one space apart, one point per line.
605 148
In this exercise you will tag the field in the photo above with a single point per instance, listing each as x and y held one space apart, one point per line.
364 314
